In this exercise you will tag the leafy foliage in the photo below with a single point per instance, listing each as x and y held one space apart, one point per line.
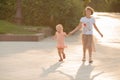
52 12
106 5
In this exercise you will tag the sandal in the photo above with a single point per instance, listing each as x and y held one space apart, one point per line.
83 59
60 60
90 61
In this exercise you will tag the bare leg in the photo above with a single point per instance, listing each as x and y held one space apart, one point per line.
93 46
90 54
63 54
59 53
84 40
90 47
84 54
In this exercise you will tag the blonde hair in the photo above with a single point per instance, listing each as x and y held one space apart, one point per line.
89 8
59 26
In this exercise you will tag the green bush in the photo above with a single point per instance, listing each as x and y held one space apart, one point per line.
44 12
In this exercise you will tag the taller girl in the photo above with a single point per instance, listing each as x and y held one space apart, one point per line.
87 23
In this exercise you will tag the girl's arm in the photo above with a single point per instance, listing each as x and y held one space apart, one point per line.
97 30
76 29
65 34
55 36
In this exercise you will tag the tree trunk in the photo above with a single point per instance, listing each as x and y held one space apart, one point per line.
52 21
18 16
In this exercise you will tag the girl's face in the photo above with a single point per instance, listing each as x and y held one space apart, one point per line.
59 28
88 12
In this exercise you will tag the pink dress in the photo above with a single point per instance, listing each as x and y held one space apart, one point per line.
60 37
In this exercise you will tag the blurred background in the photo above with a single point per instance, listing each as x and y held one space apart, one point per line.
30 16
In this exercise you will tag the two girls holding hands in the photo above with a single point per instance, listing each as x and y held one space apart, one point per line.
87 23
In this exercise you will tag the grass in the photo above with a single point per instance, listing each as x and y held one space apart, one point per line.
9 28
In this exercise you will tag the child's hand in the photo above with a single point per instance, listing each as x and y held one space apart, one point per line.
70 33
101 35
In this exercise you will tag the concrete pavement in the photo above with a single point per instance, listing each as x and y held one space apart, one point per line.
39 61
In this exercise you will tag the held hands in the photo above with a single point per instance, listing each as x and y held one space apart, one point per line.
70 33
74 30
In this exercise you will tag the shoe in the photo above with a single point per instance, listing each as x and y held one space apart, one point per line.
91 61
60 60
84 59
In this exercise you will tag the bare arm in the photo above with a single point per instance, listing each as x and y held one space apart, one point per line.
55 36
76 29
97 30
65 34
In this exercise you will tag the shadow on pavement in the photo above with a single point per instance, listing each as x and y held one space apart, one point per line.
83 73
53 68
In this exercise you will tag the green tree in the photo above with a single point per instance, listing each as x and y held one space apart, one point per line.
106 5
86 2
7 9
52 12
43 12
99 5
114 5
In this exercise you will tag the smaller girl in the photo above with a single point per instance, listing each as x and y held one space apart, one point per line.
60 38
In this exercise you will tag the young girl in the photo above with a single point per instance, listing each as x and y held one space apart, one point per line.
60 37
87 23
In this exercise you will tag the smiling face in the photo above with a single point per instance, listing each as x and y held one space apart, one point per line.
58 29
88 11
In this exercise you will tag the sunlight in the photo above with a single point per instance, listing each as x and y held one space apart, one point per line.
109 28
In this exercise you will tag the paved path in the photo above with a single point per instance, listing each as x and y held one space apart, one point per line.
39 61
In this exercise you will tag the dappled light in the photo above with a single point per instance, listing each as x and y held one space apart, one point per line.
108 23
